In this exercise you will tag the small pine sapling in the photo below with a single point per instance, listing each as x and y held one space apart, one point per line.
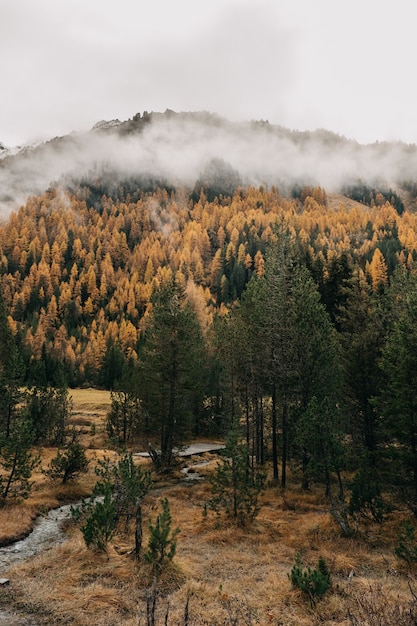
313 582
162 540
68 463
407 546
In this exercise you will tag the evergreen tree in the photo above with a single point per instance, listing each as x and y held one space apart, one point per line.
162 539
125 414
11 375
332 288
273 334
321 434
7 343
98 522
362 335
252 375
17 461
117 498
128 484
113 367
12 396
49 410
235 485
68 463
397 401
172 369
298 343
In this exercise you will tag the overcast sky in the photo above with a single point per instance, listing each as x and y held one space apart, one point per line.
343 65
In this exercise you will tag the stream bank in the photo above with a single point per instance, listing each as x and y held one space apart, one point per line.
48 532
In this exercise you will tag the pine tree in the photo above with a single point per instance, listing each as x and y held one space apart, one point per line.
171 378
397 401
68 463
362 334
128 483
235 485
12 396
125 413
162 539
295 341
17 461
49 409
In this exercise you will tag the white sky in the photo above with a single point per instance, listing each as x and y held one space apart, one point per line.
343 65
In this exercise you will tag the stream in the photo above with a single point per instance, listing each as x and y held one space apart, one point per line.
47 533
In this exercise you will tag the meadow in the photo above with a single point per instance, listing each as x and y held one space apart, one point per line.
221 574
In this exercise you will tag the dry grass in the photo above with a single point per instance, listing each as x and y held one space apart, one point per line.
88 405
228 575
94 399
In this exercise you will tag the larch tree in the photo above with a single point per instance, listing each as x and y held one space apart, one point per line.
378 271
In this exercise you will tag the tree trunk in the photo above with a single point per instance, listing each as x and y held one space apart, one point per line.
168 439
284 444
274 432
138 529
11 477
305 483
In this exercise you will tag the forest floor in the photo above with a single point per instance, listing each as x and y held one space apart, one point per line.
220 574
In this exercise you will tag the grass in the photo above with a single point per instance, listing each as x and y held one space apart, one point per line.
231 576
221 574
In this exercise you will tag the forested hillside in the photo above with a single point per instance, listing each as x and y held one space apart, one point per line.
203 306
78 268
282 321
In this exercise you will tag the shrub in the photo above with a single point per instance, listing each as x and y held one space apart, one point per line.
313 582
68 463
407 547
162 545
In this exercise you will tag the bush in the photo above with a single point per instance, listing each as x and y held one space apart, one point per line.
313 582
407 547
68 463
162 545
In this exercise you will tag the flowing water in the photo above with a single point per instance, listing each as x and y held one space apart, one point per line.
47 533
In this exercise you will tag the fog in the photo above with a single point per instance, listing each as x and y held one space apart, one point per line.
178 148
344 66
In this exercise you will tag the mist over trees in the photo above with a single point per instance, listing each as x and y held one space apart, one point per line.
175 149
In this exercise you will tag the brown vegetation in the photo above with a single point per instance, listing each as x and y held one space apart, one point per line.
228 575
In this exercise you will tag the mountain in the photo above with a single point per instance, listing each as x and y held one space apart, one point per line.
6 151
179 148
108 215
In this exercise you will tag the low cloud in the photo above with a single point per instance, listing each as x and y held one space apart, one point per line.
178 147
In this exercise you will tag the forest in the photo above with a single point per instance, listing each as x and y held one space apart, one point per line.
291 318
282 313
